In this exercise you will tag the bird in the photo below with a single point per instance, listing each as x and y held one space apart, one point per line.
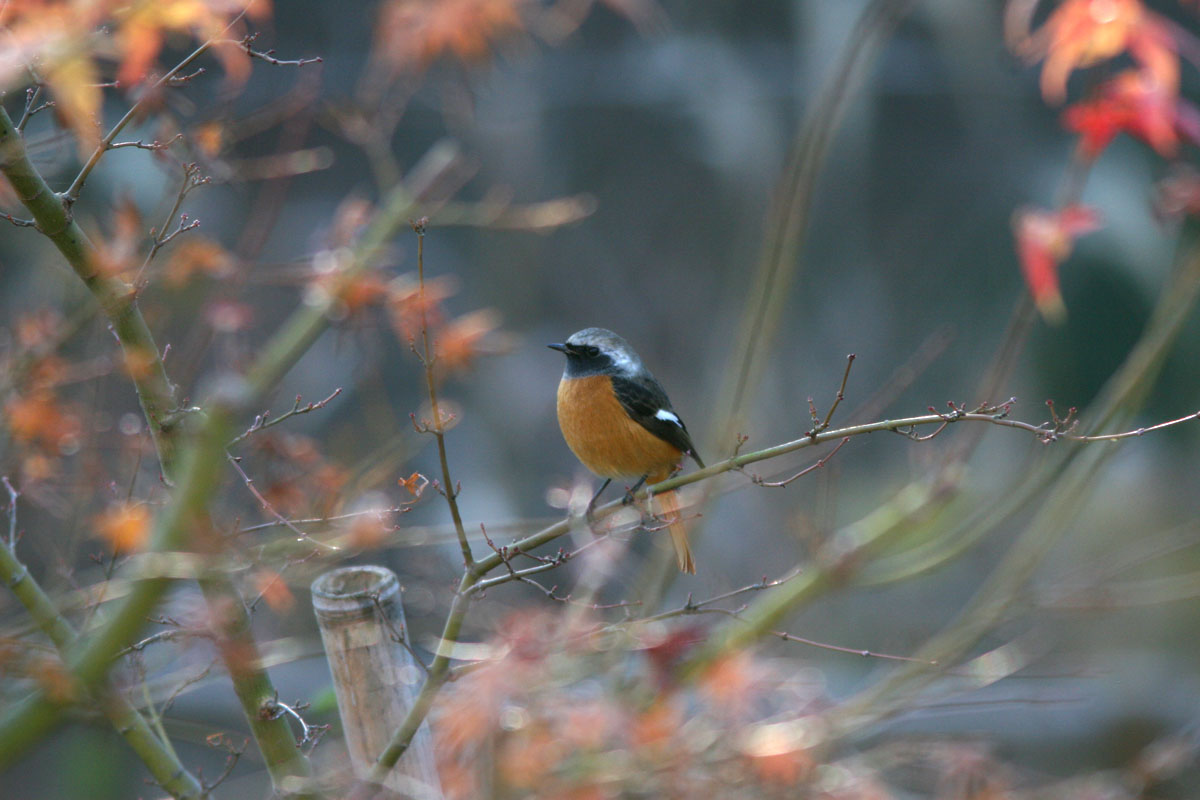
618 421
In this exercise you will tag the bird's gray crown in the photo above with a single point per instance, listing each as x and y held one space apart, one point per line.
615 355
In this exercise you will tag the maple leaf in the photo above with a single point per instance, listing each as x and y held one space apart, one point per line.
116 254
1044 240
142 29
38 328
461 341
526 757
731 681
125 526
197 255
655 726
367 532
55 679
1081 33
77 97
270 585
1133 102
414 484
410 307
38 416
410 34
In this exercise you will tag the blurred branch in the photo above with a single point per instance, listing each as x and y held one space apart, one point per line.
1121 397
197 468
106 144
117 298
437 675
779 263
543 216
833 566
154 752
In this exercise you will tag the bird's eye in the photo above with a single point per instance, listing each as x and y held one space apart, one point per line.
591 351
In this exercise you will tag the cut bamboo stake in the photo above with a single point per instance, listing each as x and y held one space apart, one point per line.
375 676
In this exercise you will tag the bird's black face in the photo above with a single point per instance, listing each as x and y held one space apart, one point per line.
584 359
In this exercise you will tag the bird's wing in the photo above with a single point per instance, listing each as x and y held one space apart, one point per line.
646 402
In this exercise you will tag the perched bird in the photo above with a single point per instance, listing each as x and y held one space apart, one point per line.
618 421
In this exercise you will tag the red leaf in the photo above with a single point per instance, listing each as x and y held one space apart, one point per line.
1044 240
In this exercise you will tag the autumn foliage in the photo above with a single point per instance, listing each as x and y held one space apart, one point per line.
1142 101
168 504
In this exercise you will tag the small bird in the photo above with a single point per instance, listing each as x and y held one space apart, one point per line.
618 421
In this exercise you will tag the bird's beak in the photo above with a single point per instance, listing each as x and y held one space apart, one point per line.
562 348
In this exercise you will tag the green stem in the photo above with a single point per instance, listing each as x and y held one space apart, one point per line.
155 752
439 672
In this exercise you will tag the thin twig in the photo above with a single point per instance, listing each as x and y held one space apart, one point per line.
234 754
161 636
72 192
155 146
31 97
262 421
760 481
20 223
314 520
429 359
398 636
841 395
13 494
309 733
160 237
270 509
269 55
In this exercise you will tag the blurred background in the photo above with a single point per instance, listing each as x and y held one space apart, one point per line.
671 126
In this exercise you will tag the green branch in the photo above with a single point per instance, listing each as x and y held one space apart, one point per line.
156 754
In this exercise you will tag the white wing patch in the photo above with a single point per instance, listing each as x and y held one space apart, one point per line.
667 416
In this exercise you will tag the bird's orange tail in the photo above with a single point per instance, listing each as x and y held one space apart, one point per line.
669 505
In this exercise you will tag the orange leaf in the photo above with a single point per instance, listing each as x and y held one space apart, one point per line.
411 34
461 341
414 484
38 416
197 255
656 725
367 532
730 681
55 679
1080 33
125 526
77 97
271 586
410 307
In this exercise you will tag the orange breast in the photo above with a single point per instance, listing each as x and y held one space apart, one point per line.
604 438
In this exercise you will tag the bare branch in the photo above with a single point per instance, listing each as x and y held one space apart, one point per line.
428 356
154 146
262 421
760 481
191 180
20 223
13 494
837 400
269 55
270 509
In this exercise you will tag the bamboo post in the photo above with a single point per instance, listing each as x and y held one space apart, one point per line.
375 677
